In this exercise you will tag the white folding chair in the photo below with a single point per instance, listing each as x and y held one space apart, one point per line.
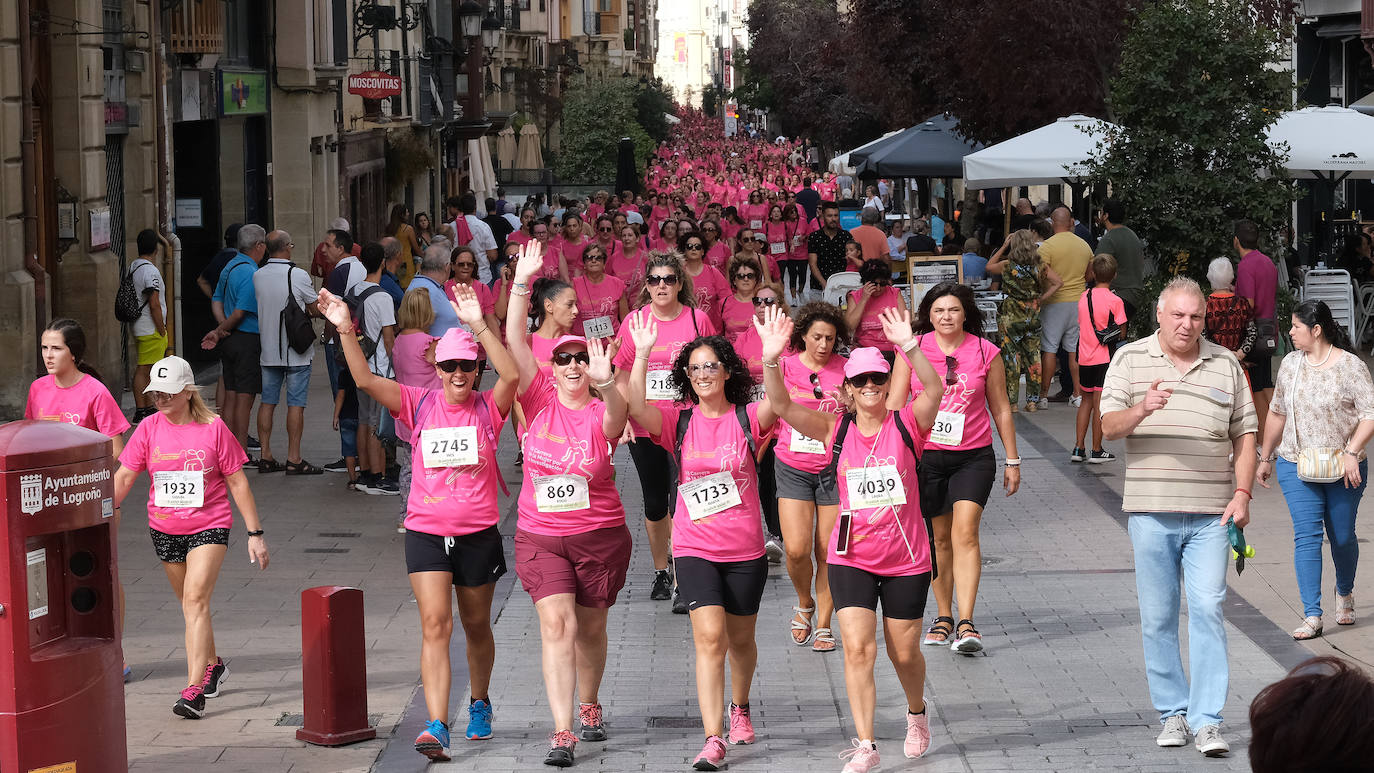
1365 307
838 287
1333 287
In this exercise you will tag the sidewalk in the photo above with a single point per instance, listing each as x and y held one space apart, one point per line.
1062 688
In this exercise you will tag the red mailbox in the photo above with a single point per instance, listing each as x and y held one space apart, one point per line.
61 681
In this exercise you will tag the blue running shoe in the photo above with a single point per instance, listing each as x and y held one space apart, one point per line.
433 741
479 720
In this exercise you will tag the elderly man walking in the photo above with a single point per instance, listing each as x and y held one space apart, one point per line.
1183 405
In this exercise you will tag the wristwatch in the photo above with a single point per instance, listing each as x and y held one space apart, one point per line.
257 533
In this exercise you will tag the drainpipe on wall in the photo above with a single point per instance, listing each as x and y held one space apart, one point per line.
29 169
162 148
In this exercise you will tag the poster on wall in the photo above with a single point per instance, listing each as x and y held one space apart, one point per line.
680 48
242 93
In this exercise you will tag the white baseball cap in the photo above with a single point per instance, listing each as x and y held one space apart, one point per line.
170 375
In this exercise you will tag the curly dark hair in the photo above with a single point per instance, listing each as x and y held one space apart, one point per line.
738 382
973 316
819 311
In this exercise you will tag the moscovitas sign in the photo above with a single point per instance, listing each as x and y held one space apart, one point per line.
374 84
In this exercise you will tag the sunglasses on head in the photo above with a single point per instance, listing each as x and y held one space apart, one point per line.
864 379
448 366
951 363
564 359
667 279
764 301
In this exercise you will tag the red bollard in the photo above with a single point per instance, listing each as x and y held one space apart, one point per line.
334 667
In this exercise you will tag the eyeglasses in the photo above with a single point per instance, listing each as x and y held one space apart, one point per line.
465 264
951 363
593 256
564 359
667 279
764 301
816 391
704 368
746 275
448 366
162 397
695 247
864 379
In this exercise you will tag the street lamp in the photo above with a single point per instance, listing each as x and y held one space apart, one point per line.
470 14
491 35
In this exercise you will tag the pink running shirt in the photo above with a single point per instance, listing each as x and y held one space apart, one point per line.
597 300
710 289
87 403
450 501
802 388
968 395
736 317
672 336
158 445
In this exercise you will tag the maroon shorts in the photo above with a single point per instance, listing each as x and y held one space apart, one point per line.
590 565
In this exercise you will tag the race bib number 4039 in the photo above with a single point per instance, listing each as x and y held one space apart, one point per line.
870 487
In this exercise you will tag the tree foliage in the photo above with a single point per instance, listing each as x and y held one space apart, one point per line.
654 101
596 114
1193 96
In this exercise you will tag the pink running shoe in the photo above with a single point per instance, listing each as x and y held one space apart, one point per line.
712 755
741 728
862 758
917 734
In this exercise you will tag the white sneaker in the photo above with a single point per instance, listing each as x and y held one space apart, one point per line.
1076 400
1175 732
1210 742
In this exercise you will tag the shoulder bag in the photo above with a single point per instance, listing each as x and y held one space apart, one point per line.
1316 464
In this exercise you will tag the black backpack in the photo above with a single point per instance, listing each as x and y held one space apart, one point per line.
295 323
685 418
126 305
358 311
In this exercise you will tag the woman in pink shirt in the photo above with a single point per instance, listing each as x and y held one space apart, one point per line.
868 302
737 308
412 357
666 240
667 299
628 266
195 465
717 250
880 548
465 273
563 251
525 232
717 529
777 240
959 466
793 264
601 300
553 312
572 547
708 283
452 543
605 237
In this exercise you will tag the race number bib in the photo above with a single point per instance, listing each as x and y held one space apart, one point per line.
948 429
449 446
757 393
796 241
801 444
874 487
561 493
755 224
598 327
659 385
179 488
712 494
777 248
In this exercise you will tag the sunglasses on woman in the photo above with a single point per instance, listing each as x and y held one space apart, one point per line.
764 301
864 379
704 368
564 359
448 366
604 230
465 265
667 279
593 256
750 275
695 246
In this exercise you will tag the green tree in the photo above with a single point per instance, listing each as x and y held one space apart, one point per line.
710 100
653 102
1194 92
596 114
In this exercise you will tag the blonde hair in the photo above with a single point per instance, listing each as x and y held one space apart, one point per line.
416 312
200 412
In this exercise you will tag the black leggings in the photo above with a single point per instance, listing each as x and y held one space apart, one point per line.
794 272
768 491
654 465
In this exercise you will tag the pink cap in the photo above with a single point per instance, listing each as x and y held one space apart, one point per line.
866 359
569 339
457 344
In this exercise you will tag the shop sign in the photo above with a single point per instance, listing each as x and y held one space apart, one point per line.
374 84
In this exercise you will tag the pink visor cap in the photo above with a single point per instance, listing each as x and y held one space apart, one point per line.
457 344
866 359
569 339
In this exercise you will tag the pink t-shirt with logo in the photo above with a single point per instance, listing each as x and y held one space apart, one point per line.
597 300
749 347
718 255
736 316
710 289
158 445
802 388
450 501
629 270
887 541
567 441
711 446
408 359
870 332
672 336
87 403
968 395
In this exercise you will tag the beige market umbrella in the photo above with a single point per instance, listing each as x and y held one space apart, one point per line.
529 155
505 148
483 184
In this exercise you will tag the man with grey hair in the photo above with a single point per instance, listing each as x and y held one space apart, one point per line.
434 272
324 259
236 338
1184 407
276 284
870 237
391 261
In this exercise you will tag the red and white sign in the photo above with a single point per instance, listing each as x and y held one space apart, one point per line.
374 84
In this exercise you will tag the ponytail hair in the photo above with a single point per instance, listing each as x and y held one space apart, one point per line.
1313 313
74 338
543 289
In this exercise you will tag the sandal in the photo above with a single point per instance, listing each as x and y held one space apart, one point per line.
966 641
823 641
1311 628
938 634
302 468
804 626
270 465
1345 609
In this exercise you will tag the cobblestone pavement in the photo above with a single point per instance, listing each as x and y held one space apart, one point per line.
1062 686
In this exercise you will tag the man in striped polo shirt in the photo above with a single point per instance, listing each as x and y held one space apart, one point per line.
1184 407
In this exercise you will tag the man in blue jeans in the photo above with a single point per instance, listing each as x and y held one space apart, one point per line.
1183 405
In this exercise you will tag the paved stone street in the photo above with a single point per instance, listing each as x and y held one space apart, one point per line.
1062 688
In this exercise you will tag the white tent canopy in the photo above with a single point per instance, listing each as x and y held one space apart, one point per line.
1050 155
840 164
1330 143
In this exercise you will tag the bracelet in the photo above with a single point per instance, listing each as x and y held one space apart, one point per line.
343 332
257 533
1269 458
643 357
484 329
909 345
606 385
1355 454
521 293
1012 460
768 364
1011 464
1244 491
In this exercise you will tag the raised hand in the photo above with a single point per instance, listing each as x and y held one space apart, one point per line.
644 331
333 308
530 262
599 365
467 307
774 331
1155 398
896 325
